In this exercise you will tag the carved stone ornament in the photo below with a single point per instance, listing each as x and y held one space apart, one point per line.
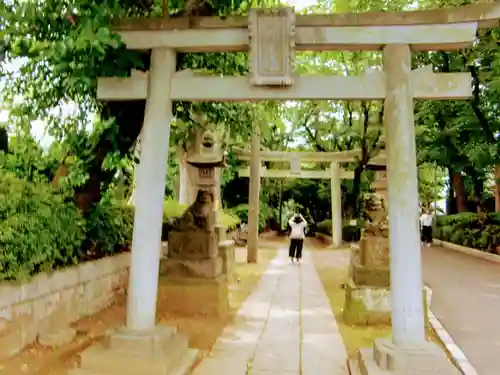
272 46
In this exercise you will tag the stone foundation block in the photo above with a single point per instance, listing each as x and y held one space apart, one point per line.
194 296
387 359
368 305
160 352
377 276
209 268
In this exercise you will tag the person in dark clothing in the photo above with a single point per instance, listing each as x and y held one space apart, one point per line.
426 225
298 225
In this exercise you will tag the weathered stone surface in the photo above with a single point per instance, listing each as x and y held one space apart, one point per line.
192 244
194 296
285 327
50 302
129 354
386 358
197 268
57 338
368 305
371 275
374 251
272 46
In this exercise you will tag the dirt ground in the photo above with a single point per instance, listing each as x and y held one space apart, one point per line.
202 331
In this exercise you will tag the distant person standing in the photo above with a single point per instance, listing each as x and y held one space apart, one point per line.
426 227
298 225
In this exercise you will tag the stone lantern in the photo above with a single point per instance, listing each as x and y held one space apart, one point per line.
209 157
198 264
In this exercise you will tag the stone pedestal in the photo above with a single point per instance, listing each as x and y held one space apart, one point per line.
388 359
194 277
371 267
191 296
162 351
368 288
367 298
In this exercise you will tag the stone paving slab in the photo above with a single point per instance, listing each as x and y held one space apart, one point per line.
285 327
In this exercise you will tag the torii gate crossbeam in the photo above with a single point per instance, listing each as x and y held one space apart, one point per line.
335 175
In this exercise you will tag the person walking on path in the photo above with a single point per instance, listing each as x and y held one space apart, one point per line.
298 225
426 227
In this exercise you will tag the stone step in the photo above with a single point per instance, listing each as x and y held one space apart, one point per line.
100 360
183 366
353 367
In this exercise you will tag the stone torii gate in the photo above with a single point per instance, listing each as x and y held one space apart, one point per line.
335 174
272 37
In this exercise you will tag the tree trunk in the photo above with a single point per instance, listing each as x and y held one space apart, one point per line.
478 194
451 207
356 187
497 188
4 140
281 206
460 192
129 116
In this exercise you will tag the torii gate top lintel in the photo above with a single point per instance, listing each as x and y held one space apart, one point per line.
486 15
309 156
272 36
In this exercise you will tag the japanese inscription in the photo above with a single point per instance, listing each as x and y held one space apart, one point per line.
272 46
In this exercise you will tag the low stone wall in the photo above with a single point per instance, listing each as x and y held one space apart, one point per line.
469 251
50 302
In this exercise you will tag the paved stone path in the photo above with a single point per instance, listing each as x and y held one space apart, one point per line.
285 327
466 299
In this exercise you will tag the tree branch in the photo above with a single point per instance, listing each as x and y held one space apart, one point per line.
475 102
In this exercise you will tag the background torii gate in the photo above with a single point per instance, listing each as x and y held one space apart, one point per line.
335 175
272 37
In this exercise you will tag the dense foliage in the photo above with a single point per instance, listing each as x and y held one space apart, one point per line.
67 200
39 228
479 231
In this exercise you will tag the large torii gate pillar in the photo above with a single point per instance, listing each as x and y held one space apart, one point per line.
336 196
254 197
408 352
408 326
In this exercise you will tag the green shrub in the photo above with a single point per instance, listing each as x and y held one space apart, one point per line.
349 232
172 209
40 229
109 228
325 227
241 211
229 220
470 229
